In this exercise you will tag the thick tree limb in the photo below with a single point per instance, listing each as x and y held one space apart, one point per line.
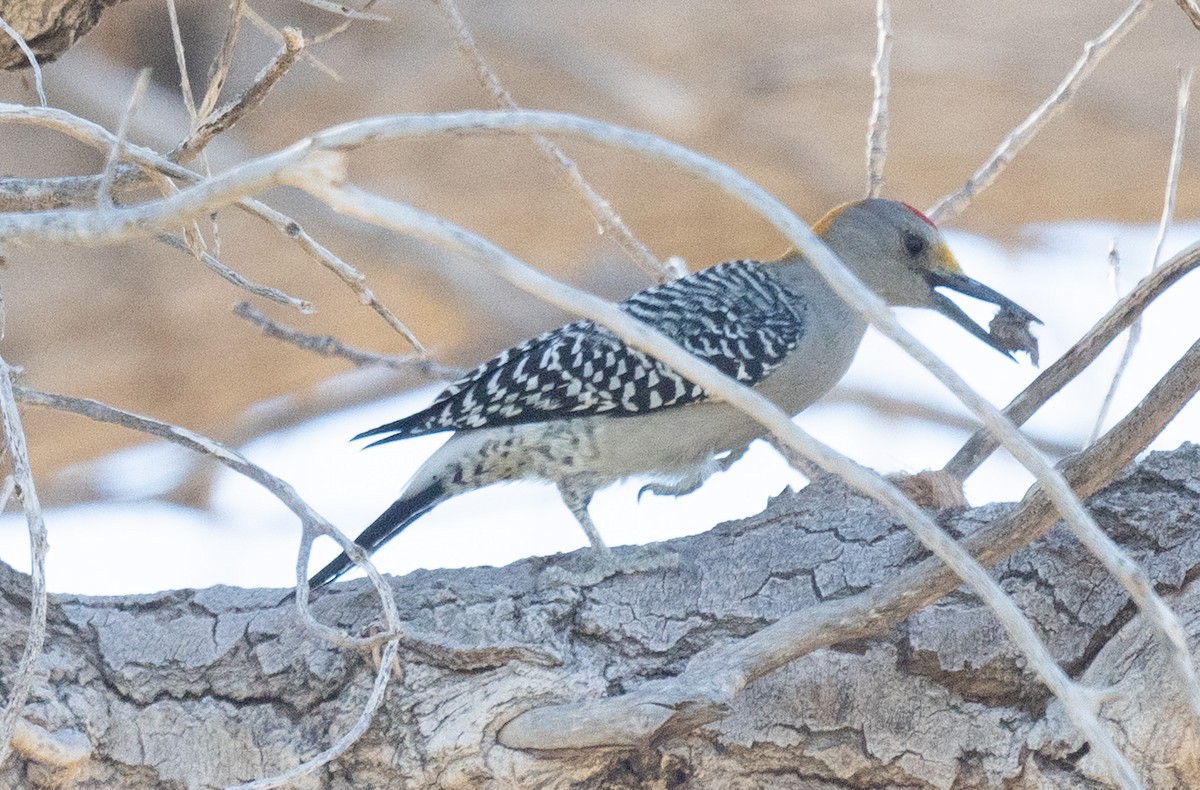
158 684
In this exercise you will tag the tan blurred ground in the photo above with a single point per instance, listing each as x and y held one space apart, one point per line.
779 90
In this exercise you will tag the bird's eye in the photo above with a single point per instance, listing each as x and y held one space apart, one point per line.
915 245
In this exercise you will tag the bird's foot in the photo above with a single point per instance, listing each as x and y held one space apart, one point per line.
637 559
693 480
669 489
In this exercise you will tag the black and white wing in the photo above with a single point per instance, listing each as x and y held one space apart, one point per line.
737 316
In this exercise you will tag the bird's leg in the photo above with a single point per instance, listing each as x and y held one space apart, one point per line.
577 498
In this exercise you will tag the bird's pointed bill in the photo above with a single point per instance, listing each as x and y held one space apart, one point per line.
950 276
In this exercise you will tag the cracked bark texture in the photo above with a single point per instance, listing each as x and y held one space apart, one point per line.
199 689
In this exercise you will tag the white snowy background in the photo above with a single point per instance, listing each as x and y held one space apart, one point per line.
132 543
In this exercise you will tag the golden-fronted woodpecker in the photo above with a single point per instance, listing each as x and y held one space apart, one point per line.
578 408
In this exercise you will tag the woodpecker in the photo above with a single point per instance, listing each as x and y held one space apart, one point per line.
577 407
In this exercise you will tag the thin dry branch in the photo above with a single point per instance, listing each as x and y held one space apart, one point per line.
310 766
920 409
103 197
982 444
32 58
334 32
41 194
304 165
21 681
235 279
312 525
1078 702
345 10
606 218
185 83
1192 10
145 159
119 148
950 206
275 35
224 118
1164 224
219 71
329 346
877 124
355 280
1114 279
703 691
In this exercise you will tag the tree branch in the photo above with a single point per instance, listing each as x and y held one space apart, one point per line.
950 206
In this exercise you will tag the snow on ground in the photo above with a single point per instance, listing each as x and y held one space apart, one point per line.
249 539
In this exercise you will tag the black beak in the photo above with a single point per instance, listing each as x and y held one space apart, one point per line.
965 285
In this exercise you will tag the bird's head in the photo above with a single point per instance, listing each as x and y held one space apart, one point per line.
901 255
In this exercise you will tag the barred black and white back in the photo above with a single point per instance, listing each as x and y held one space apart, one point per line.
738 316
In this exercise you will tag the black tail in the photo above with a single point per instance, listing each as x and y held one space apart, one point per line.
390 523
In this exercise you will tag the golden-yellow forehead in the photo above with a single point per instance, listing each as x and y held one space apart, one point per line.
822 225
940 258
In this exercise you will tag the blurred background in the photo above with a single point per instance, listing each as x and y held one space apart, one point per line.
779 90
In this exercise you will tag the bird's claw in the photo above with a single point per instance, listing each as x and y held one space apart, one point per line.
662 489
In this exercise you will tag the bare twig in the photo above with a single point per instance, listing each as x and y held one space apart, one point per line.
185 83
921 409
1171 189
219 71
337 30
1164 224
310 520
877 124
1079 356
95 135
344 10
103 198
1076 701
41 194
1114 278
312 524
21 681
382 675
953 204
313 164
270 31
1192 10
235 279
32 58
328 346
6 491
355 280
606 217
703 691
224 118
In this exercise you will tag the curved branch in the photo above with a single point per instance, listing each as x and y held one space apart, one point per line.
703 691
303 164
982 444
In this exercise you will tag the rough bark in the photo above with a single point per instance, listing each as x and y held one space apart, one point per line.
205 688
49 27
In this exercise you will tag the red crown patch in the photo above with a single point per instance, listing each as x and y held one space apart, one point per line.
924 218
